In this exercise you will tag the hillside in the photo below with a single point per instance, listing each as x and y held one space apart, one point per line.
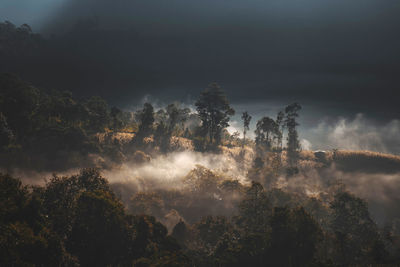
354 161
366 161
170 186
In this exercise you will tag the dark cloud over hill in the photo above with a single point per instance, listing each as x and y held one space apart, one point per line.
339 55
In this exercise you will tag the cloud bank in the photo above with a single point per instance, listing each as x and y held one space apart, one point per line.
358 133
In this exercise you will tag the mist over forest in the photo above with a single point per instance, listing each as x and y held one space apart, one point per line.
199 133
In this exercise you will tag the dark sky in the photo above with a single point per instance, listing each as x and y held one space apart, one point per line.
337 58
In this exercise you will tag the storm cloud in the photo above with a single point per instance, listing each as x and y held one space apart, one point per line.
337 57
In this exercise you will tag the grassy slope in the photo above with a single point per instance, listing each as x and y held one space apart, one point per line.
360 161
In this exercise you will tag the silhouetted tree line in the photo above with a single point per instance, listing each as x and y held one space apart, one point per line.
53 130
79 221
269 138
221 222
18 41
35 124
263 234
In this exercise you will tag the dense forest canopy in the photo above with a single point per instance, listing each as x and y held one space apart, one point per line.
170 186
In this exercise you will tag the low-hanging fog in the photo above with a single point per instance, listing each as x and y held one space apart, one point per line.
168 172
139 92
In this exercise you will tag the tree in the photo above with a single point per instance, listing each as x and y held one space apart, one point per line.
294 237
61 194
146 121
266 131
280 123
246 122
162 137
293 143
214 110
180 232
202 181
168 122
99 233
149 203
211 229
19 103
146 117
173 117
356 234
98 113
116 122
254 209
25 239
13 198
152 246
184 116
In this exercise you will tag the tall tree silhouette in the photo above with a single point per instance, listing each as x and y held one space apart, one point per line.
246 122
146 121
214 111
293 143
281 125
266 131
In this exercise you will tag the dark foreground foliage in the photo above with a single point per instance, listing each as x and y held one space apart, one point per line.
78 221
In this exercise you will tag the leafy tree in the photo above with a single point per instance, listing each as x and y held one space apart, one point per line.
280 124
355 232
162 137
98 113
13 199
65 109
266 131
173 117
62 193
25 239
18 42
202 181
19 104
151 245
116 121
294 238
246 122
180 232
231 251
280 198
254 209
99 233
146 121
147 203
211 229
19 246
214 110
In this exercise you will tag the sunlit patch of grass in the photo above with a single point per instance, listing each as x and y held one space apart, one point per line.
307 155
111 137
181 144
366 161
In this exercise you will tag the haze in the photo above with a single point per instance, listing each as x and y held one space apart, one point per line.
337 58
